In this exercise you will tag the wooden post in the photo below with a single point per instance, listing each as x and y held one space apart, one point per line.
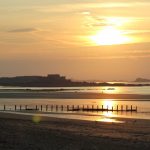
20 107
117 107
72 107
78 107
56 107
136 108
4 107
92 107
126 107
83 107
97 107
112 108
41 107
102 107
62 107
15 107
121 107
131 108
46 107
67 107
51 107
87 106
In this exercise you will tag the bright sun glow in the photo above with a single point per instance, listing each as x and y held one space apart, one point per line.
110 35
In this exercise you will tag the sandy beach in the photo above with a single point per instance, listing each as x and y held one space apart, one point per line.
71 95
21 132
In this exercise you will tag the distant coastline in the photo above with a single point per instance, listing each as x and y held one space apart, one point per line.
56 80
142 80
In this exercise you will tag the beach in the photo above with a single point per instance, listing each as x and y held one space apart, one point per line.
21 132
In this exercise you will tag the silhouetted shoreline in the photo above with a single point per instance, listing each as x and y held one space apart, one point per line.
55 80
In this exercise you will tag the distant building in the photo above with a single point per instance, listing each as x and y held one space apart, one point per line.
56 77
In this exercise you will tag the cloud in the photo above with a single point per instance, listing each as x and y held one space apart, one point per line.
110 57
22 30
87 6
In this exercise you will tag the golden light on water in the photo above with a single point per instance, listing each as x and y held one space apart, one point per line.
109 116
108 103
109 120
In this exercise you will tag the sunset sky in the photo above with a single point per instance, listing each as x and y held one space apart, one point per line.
82 39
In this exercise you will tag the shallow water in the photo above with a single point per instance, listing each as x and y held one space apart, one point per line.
144 90
143 105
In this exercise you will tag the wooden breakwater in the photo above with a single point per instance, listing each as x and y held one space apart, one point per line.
73 108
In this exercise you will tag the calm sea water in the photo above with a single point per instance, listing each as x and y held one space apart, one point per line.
144 90
142 113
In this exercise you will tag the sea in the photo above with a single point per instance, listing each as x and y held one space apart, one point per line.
143 105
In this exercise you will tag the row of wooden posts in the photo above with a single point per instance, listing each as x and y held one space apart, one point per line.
73 108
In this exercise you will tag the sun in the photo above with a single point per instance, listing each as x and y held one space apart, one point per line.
110 35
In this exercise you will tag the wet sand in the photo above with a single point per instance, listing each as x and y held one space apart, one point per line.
71 95
20 132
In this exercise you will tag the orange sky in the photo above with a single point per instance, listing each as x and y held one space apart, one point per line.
90 39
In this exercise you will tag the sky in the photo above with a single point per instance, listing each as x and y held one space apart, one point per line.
103 40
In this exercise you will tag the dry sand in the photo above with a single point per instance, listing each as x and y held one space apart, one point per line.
72 95
19 132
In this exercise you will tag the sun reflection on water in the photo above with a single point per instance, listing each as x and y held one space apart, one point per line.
109 120
108 103
108 116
